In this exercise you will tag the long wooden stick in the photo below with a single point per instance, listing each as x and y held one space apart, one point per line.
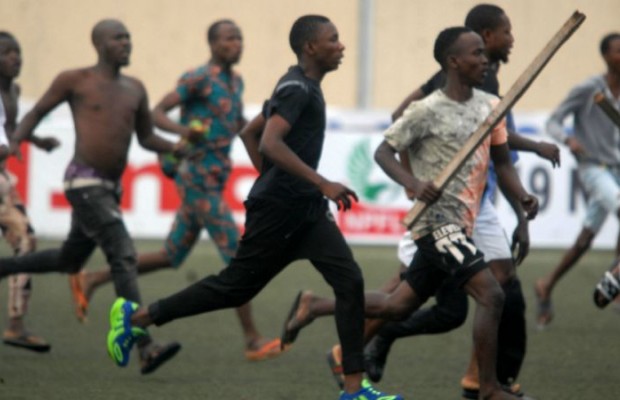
500 110
605 105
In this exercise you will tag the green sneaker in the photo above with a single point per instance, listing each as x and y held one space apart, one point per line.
122 335
367 392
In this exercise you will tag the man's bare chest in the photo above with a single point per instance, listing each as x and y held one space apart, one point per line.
106 98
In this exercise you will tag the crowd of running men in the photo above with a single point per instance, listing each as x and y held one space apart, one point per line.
455 249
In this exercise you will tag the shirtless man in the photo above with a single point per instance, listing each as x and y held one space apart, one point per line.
107 108
204 175
14 222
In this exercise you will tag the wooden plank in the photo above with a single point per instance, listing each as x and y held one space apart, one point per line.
499 111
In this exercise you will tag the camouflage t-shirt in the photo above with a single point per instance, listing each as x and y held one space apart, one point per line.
433 130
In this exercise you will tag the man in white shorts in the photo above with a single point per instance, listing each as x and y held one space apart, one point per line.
596 215
594 144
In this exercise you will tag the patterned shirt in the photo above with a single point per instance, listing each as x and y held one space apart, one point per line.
433 130
213 97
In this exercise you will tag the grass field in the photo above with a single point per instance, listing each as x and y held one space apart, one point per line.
575 358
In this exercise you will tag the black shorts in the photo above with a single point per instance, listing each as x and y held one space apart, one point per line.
446 253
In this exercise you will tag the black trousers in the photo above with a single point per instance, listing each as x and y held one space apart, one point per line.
450 312
276 235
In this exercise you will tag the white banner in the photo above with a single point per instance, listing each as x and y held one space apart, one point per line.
150 200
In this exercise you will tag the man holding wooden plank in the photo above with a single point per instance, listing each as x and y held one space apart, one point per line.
595 145
450 310
433 131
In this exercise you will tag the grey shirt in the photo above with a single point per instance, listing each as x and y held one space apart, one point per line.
594 130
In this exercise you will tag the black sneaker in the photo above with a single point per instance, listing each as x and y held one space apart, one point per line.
375 357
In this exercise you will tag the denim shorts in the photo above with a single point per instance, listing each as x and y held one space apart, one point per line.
602 184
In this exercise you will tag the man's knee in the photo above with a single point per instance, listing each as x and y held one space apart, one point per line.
354 284
70 260
492 297
349 277
503 270
396 311
397 308
71 264
117 245
124 262
485 290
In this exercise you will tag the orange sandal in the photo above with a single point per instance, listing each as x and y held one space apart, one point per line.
79 297
269 350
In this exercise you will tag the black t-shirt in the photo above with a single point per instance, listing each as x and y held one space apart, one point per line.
490 84
299 100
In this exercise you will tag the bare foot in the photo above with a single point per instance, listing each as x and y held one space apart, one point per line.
544 309
299 316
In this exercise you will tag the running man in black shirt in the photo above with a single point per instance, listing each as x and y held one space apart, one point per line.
287 217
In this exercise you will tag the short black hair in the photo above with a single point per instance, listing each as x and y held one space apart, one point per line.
304 30
214 28
7 35
484 16
606 42
445 42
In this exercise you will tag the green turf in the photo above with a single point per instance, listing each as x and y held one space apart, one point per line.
575 358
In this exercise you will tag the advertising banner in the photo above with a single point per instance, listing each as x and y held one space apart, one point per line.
150 199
